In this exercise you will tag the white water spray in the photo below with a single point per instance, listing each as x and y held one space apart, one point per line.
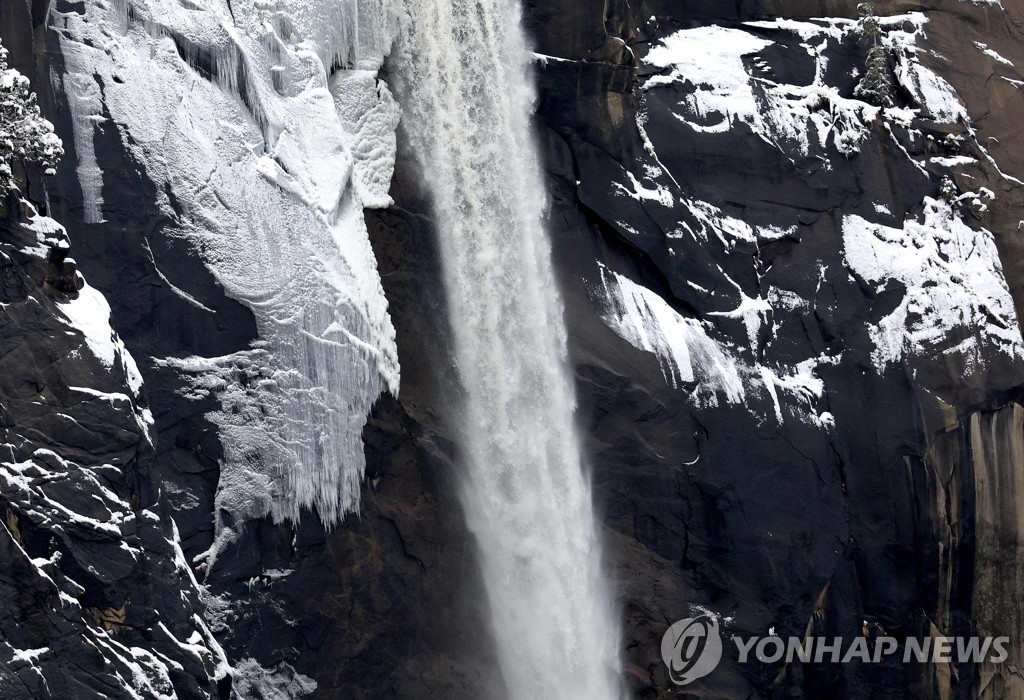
462 76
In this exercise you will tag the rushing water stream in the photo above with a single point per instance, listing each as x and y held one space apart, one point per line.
462 77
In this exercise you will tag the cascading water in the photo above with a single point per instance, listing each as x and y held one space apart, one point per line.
461 74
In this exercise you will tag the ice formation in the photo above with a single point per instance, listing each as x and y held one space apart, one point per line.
461 77
86 105
267 132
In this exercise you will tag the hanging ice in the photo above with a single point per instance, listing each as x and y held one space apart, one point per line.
266 132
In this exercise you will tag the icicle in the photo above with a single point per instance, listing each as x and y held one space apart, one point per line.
230 111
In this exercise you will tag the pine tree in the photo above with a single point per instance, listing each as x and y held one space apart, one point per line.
876 85
948 190
869 31
24 135
949 193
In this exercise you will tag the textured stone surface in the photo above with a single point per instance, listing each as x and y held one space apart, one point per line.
890 517
90 571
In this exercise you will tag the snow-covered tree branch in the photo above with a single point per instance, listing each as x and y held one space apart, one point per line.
24 135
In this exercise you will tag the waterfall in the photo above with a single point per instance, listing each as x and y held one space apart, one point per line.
461 74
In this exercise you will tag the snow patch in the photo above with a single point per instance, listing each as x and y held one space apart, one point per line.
639 192
686 353
711 59
690 357
931 91
952 161
953 280
89 313
993 54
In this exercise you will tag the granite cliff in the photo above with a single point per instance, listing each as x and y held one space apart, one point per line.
792 317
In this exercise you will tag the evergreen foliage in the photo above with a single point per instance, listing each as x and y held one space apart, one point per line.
876 86
948 190
24 135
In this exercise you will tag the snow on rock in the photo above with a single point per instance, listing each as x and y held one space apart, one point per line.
710 220
956 300
711 59
90 314
686 353
936 97
952 161
640 192
993 54
751 311
690 357
724 82
25 136
803 385
73 451
714 62
50 235
932 92
715 79
267 125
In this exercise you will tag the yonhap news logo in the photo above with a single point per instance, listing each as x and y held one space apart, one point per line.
692 648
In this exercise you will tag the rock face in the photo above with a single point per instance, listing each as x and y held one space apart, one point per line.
798 361
800 504
99 597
